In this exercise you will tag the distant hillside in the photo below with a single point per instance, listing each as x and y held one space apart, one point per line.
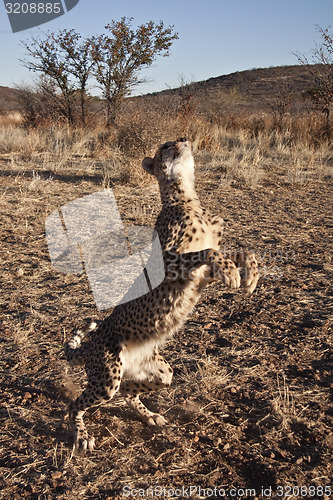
261 82
9 100
254 87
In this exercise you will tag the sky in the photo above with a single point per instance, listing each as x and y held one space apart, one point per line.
216 37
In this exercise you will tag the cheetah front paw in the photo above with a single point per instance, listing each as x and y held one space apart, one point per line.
231 276
252 275
223 268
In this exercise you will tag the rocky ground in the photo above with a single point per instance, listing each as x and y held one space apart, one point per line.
250 407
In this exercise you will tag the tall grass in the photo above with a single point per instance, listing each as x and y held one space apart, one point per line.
247 148
10 119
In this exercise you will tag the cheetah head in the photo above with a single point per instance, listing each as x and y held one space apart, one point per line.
172 163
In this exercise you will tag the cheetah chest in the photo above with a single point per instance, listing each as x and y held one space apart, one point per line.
201 234
136 356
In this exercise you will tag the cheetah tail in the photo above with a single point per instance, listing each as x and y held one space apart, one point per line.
73 346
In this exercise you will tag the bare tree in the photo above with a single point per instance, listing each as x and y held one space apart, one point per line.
121 53
38 103
77 55
114 59
48 60
64 58
320 66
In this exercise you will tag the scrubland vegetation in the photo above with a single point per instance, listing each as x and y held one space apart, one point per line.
248 144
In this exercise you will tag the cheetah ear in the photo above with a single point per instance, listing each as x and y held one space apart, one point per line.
148 165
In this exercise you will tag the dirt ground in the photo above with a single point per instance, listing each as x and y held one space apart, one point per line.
249 408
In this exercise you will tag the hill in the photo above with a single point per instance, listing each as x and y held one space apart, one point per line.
252 88
259 82
9 100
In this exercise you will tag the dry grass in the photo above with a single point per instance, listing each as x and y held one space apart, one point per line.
245 155
10 119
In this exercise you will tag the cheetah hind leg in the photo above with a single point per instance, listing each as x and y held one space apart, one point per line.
147 416
159 375
89 398
102 385
82 441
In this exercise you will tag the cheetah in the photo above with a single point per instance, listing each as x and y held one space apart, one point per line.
122 354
